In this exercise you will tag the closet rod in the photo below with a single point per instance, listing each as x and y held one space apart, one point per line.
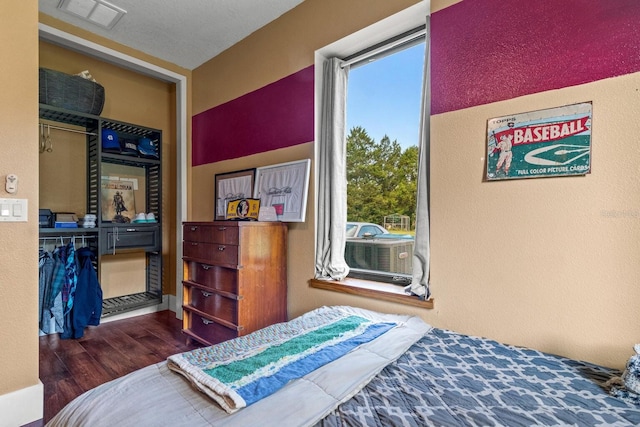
67 129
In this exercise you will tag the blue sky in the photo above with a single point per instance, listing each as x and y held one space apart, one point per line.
384 96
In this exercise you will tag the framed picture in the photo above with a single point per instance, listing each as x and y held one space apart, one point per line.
284 186
232 186
117 202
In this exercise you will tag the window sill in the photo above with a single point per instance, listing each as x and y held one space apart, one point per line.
367 288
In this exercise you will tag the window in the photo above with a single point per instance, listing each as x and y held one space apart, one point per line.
383 120
332 271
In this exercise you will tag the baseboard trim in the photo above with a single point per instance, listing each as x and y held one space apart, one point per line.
22 406
172 302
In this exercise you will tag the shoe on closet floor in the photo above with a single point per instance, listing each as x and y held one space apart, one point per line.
151 217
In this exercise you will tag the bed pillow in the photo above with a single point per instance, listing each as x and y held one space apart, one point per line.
631 375
628 386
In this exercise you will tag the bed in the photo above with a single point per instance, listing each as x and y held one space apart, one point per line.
343 366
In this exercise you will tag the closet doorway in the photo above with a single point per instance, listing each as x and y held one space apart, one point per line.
119 59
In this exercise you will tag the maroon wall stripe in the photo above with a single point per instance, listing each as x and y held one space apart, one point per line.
490 50
276 116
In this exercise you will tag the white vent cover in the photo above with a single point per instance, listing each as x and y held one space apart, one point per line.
97 12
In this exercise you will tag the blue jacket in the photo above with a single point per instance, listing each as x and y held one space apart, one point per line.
87 301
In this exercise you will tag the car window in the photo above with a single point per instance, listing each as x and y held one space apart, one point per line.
369 229
351 230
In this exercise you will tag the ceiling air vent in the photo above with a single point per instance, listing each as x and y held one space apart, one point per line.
97 12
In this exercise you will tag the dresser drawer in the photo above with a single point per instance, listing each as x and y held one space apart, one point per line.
208 330
214 233
212 253
217 305
213 277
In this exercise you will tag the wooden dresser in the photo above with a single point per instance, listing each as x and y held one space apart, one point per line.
235 278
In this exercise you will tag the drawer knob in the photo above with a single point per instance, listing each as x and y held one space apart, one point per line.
222 228
131 229
206 294
194 244
206 321
221 248
205 267
194 228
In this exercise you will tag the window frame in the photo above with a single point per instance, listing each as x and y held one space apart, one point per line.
379 50
398 23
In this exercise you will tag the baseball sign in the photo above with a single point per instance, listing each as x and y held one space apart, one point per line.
551 142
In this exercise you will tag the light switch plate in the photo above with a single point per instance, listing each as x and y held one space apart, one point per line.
13 210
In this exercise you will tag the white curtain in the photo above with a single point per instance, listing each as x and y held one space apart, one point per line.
332 174
421 252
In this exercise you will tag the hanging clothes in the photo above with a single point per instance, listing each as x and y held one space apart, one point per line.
69 288
70 277
52 271
45 266
87 302
70 296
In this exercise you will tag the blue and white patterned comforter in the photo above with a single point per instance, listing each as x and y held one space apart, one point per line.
448 379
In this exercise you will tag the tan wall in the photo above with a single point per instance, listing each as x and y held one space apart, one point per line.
19 146
548 263
437 5
130 97
544 263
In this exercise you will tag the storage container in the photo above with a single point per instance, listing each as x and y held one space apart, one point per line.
45 218
70 92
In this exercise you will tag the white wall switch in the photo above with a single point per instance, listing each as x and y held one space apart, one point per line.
13 210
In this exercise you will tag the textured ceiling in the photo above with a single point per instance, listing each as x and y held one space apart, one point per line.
184 32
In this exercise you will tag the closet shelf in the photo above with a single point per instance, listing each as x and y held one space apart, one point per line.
66 232
128 160
127 128
48 112
122 304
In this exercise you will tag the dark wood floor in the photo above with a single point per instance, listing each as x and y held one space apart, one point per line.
68 368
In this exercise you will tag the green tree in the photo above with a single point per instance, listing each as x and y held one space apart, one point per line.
381 177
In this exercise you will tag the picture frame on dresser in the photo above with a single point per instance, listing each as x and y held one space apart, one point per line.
231 186
284 186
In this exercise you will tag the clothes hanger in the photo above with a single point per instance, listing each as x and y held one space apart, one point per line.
48 141
42 138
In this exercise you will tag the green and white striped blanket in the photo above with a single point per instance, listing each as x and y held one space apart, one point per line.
240 372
